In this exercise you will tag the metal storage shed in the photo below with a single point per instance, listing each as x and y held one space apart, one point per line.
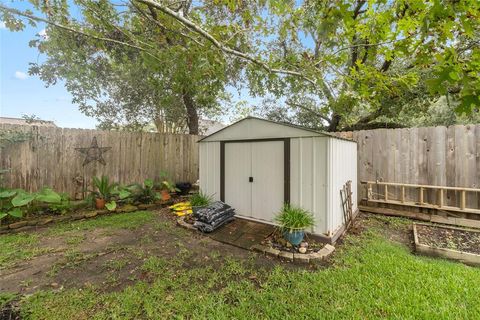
257 165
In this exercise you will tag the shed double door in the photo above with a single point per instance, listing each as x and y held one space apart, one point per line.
254 178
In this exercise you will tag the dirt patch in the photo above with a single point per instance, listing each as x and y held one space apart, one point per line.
448 238
392 228
10 311
111 259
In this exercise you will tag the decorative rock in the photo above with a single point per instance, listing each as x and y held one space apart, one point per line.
45 221
272 251
18 224
304 245
326 251
32 222
127 208
90 214
286 255
181 222
258 247
302 249
77 216
305 258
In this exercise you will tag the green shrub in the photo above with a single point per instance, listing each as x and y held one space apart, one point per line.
104 187
200 199
17 202
63 206
143 193
294 218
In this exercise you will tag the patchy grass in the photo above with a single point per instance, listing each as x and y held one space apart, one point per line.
131 220
19 247
371 277
6 297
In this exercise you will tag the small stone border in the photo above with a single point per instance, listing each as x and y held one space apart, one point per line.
182 223
468 258
322 254
32 224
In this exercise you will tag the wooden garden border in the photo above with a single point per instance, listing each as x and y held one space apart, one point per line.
464 257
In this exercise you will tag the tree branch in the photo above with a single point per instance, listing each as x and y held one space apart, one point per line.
70 29
301 106
196 28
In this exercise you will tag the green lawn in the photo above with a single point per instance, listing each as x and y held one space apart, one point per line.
371 277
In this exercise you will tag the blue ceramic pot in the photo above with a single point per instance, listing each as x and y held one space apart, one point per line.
295 237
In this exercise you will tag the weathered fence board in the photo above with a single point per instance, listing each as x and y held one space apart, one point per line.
49 158
443 156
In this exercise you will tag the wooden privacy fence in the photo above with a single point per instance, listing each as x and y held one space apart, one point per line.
435 156
57 157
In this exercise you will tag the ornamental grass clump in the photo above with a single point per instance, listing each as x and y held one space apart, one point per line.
200 199
292 218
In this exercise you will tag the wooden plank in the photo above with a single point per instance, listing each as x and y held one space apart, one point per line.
426 206
381 183
421 216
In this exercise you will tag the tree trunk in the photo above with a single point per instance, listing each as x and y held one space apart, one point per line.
334 123
192 115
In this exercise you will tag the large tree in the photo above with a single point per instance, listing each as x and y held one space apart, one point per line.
345 64
129 65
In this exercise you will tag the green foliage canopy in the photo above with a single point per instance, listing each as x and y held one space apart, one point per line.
345 63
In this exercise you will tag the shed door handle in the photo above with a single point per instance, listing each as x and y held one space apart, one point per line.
250 179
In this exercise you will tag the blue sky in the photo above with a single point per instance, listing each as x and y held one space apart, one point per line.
23 94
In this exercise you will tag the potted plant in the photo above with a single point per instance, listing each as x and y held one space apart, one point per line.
200 200
293 221
103 192
166 188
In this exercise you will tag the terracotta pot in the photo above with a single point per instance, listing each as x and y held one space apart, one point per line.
165 195
100 203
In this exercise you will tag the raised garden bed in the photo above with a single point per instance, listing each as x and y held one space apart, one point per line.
308 251
448 242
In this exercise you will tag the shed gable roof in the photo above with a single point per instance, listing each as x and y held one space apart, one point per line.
256 128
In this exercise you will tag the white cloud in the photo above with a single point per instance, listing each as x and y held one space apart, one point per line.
2 25
21 75
43 34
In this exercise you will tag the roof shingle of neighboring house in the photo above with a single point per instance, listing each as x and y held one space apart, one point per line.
24 122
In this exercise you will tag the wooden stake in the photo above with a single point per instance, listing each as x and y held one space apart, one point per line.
440 197
403 194
420 195
386 193
462 200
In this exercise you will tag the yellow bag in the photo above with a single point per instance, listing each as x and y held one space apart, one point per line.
180 204
183 213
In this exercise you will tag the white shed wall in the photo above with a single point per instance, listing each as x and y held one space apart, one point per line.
342 166
308 178
209 154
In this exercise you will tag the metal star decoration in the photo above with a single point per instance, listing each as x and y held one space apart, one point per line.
93 153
